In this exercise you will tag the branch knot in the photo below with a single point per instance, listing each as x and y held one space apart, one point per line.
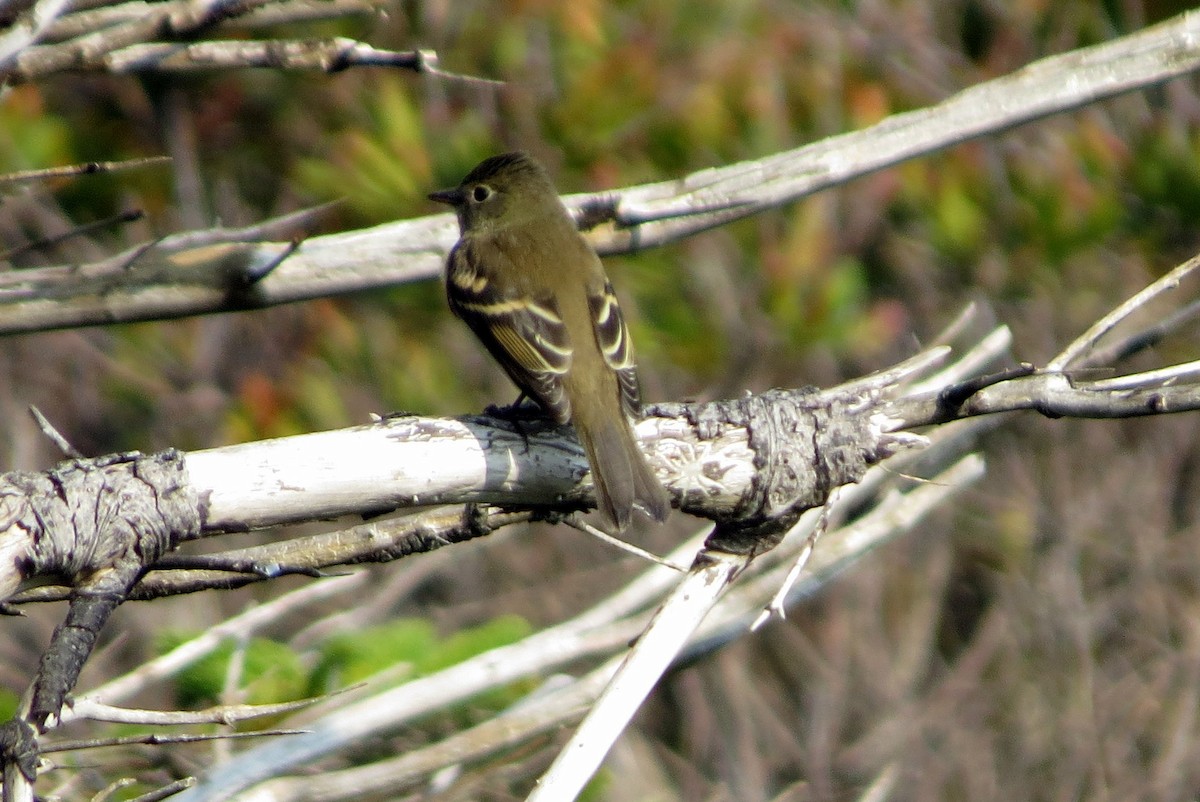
806 443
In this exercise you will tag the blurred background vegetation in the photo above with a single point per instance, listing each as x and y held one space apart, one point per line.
1039 641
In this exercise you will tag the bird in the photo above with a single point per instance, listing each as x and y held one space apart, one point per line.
534 292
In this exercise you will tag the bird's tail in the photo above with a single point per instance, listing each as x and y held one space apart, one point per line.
621 474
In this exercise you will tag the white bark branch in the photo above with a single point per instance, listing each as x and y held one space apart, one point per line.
598 634
80 23
628 219
85 51
326 55
29 30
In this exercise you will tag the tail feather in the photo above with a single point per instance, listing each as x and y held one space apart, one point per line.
622 476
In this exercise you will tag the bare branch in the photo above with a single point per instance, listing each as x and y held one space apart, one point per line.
327 55
221 714
287 225
29 30
1048 86
167 791
413 250
288 12
379 541
171 271
1060 389
157 739
1075 354
110 791
78 231
242 625
283 12
88 168
543 713
1148 337
85 51
663 639
54 434
600 631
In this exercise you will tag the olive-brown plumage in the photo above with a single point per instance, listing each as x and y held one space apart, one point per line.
534 292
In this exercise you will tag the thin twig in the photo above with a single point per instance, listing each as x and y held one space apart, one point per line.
576 521
167 791
283 226
221 714
1150 379
78 231
284 12
54 434
110 790
87 168
778 605
1075 354
157 739
1141 340
188 653
327 55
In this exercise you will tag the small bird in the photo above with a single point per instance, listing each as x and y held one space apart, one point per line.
534 292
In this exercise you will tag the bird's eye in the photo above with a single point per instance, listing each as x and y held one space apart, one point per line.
481 193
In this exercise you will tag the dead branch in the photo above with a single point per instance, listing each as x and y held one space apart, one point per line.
622 220
84 230
28 30
86 51
753 465
100 523
326 55
285 12
156 739
287 480
138 508
88 168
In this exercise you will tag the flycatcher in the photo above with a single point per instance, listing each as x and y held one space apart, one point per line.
533 291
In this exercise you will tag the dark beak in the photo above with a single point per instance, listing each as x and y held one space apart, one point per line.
454 197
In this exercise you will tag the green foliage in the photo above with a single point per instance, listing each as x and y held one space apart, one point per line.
468 642
410 648
31 138
959 220
8 703
667 325
380 159
269 672
1166 180
348 658
351 657
600 787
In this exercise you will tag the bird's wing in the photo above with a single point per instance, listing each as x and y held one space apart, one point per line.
613 338
525 334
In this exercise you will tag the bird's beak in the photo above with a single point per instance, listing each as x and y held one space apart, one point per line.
454 197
